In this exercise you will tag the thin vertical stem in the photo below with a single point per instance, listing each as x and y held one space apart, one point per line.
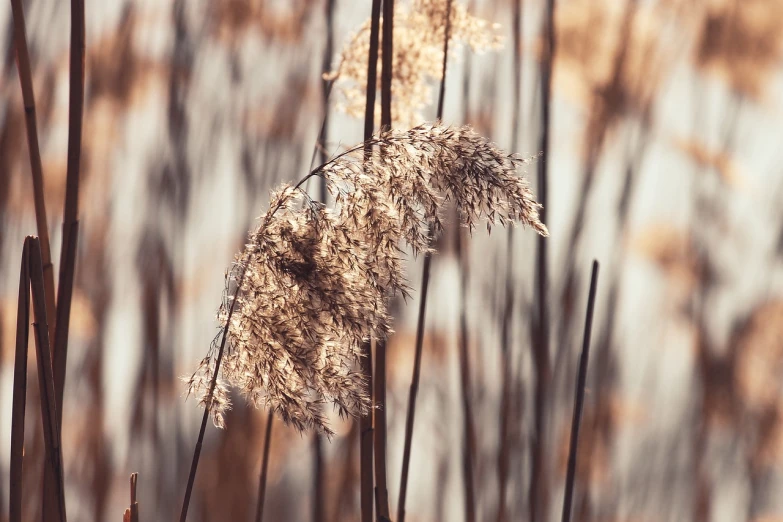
71 208
54 498
379 432
379 429
387 57
365 422
414 388
539 482
264 468
579 397
469 431
197 452
36 169
20 389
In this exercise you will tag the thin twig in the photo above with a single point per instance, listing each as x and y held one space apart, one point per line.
264 467
579 397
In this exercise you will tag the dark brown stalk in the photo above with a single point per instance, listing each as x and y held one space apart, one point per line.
387 57
71 209
539 481
469 431
414 388
380 428
197 452
365 422
36 169
20 389
579 397
379 432
264 468
54 498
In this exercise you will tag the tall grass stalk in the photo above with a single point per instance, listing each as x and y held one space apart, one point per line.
539 483
71 208
414 388
379 410
466 393
36 168
213 382
32 281
264 468
366 445
579 396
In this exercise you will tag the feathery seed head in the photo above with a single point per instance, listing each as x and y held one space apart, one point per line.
313 283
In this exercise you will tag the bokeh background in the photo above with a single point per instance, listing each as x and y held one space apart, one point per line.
664 164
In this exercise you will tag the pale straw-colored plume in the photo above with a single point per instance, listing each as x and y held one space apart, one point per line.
317 279
418 57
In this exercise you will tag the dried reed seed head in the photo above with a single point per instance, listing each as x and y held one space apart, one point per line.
317 280
419 32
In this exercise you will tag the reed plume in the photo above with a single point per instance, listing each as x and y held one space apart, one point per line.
313 282
419 31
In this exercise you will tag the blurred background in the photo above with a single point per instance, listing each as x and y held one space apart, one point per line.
664 164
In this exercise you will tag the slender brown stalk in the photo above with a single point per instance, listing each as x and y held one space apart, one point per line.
414 388
264 468
380 428
539 483
579 397
36 169
379 432
469 432
387 57
20 389
54 498
71 208
366 421
213 382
